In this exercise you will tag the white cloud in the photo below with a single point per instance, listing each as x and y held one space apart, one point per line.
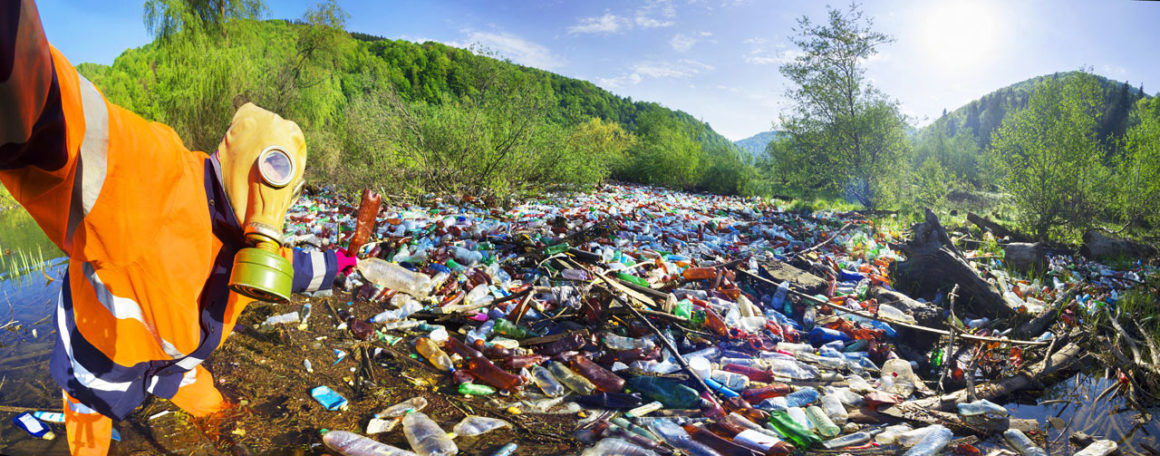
680 69
512 47
682 43
1113 70
760 53
656 13
608 23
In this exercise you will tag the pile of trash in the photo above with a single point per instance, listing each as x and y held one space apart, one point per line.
669 322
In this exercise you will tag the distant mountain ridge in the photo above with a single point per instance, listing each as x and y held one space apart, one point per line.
755 145
981 117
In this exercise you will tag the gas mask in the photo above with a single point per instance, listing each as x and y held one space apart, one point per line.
263 157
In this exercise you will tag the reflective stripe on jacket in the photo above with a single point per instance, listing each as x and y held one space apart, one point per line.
148 229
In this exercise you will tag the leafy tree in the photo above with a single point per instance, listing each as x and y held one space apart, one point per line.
1139 172
1051 155
165 18
845 134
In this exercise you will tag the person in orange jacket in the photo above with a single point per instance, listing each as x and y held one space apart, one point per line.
166 246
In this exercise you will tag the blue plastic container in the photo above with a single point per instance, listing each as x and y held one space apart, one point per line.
328 398
821 335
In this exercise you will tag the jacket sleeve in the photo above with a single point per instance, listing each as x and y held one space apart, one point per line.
314 270
63 147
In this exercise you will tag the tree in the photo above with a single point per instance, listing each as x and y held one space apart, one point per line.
1139 172
165 18
1051 155
845 134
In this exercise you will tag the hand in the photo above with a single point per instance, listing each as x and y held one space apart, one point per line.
346 261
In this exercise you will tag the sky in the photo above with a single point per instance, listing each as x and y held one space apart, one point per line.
718 59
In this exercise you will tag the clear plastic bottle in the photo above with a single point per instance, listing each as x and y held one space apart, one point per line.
676 436
912 437
980 407
933 443
889 436
395 277
546 381
616 446
414 404
471 426
351 444
857 438
1098 448
1022 443
893 313
822 422
791 369
834 409
426 437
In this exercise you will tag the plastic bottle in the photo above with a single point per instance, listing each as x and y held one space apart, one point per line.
351 444
731 380
755 395
1098 448
488 372
893 313
506 450
604 379
855 439
475 389
676 436
430 350
898 377
617 446
722 442
614 401
471 426
1022 443
666 391
395 277
791 369
889 436
753 373
426 437
933 443
778 301
572 380
911 438
822 422
980 407
834 409
801 437
289 317
368 211
644 409
546 381
508 329
617 342
802 397
414 404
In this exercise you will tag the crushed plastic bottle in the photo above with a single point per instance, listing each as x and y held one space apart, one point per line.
471 426
932 443
395 277
351 444
426 437
1023 444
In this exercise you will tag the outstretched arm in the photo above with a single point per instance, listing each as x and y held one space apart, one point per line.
315 270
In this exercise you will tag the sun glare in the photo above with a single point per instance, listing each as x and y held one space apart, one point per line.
960 35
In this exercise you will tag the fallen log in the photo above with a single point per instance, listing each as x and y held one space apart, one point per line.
1102 247
998 230
1061 360
799 279
934 265
1030 258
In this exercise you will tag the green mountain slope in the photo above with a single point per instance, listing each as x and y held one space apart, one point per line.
371 105
755 145
981 117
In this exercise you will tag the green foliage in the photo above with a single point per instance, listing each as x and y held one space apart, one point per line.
166 18
406 116
932 184
844 135
1051 156
1138 197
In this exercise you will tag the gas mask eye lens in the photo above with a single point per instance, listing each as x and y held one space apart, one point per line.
276 167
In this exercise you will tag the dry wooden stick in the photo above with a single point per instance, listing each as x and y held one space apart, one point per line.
667 343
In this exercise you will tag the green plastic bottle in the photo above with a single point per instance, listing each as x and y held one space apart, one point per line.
631 278
508 329
558 248
669 392
475 389
684 308
800 436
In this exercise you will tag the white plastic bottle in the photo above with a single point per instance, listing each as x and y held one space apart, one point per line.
426 437
351 444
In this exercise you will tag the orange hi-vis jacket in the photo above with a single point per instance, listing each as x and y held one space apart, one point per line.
148 228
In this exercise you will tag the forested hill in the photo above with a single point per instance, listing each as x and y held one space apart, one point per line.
980 118
427 116
756 144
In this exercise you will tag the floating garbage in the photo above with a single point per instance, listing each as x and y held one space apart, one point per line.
33 426
328 398
706 324
351 444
